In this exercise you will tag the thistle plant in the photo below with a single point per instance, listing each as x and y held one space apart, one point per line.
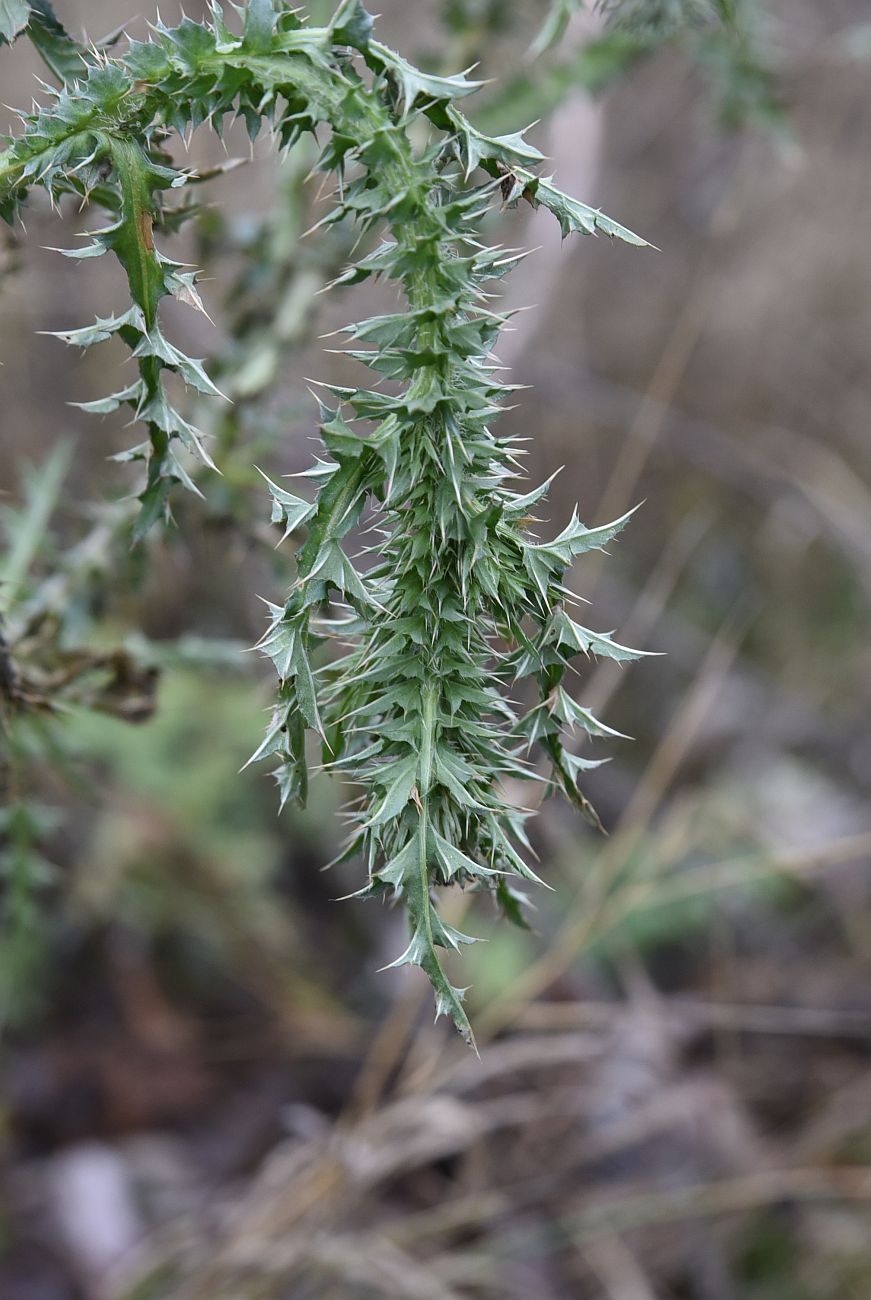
405 667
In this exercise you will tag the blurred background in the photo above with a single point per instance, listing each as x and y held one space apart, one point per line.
207 1090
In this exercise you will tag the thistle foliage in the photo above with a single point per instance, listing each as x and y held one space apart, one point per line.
460 601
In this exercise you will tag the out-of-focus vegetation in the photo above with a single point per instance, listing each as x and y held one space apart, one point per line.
672 1098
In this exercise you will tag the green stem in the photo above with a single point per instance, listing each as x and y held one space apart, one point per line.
428 712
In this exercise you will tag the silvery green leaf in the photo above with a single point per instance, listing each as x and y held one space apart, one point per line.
575 217
259 25
574 715
454 861
414 84
580 640
351 24
575 539
292 511
14 17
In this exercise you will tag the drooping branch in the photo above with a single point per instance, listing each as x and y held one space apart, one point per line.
462 599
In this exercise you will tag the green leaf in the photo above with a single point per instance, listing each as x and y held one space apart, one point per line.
259 26
575 539
279 641
575 217
292 774
573 714
566 769
521 505
105 405
475 148
103 328
402 777
580 640
63 56
304 683
14 17
512 903
402 866
414 84
292 511
352 24
455 862
426 930
131 239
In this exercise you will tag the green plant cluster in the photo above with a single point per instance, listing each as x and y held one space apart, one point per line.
462 601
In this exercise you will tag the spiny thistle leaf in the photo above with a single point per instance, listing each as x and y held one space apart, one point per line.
65 58
14 17
352 25
414 85
259 25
